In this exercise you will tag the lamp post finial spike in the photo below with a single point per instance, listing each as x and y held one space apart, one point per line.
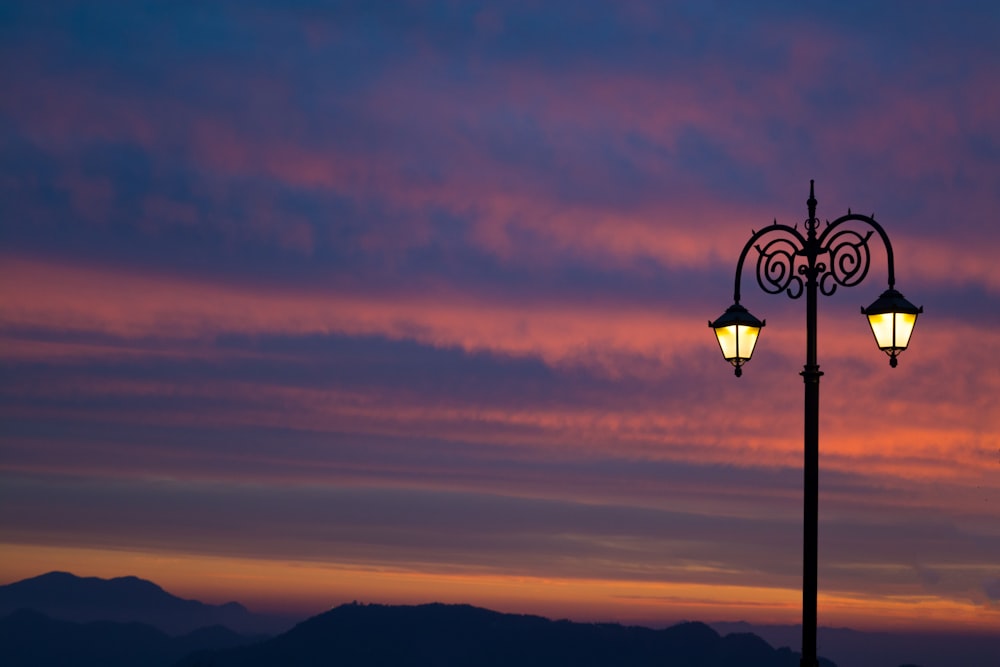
811 222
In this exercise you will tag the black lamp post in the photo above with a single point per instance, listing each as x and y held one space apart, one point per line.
790 262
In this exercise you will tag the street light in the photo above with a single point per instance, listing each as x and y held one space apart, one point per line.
737 331
892 318
789 262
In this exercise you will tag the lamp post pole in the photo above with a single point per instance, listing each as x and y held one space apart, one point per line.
818 262
810 376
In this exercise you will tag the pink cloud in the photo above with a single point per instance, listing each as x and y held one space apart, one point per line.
82 298
494 199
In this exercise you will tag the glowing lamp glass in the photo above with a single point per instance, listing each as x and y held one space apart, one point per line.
737 341
892 330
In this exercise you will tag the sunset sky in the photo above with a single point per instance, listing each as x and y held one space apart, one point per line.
309 302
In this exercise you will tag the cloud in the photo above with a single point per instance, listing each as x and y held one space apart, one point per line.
992 589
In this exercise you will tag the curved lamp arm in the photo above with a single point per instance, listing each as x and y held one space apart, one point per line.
783 268
829 235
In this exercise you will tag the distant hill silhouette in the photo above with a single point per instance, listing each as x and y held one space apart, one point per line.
61 595
886 649
442 635
30 639
375 635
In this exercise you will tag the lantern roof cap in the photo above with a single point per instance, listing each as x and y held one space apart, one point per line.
891 301
738 315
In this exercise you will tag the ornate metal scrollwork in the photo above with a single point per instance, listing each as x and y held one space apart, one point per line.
787 263
776 270
850 259
827 256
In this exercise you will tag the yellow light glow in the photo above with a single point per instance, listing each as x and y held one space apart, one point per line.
892 330
737 341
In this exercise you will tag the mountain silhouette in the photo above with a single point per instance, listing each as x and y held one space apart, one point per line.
928 648
31 639
141 624
439 635
61 595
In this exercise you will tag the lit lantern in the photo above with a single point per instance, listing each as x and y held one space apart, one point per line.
737 331
892 319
